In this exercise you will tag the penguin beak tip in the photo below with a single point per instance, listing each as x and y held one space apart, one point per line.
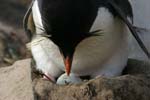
68 63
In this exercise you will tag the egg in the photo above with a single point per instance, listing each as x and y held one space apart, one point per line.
64 79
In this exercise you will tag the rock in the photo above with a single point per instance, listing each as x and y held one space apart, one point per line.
15 81
120 88
134 85
137 67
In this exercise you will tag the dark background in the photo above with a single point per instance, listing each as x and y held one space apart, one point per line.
12 36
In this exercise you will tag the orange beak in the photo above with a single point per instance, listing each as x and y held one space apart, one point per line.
68 63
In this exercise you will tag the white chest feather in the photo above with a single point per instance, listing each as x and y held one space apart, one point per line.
92 54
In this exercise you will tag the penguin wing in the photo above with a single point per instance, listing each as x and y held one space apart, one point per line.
125 7
123 16
28 23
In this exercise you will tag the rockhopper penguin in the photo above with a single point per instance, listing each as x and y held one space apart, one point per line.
86 37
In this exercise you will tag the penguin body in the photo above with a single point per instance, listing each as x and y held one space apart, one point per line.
70 24
105 54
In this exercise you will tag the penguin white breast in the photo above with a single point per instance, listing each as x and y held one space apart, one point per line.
93 53
47 56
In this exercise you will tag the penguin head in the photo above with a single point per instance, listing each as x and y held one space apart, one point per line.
67 43
68 22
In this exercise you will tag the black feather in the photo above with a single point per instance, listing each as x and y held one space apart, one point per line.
122 15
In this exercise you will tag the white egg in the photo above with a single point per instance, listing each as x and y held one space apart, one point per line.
64 79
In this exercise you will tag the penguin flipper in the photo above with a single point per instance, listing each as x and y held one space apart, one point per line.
130 26
28 23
